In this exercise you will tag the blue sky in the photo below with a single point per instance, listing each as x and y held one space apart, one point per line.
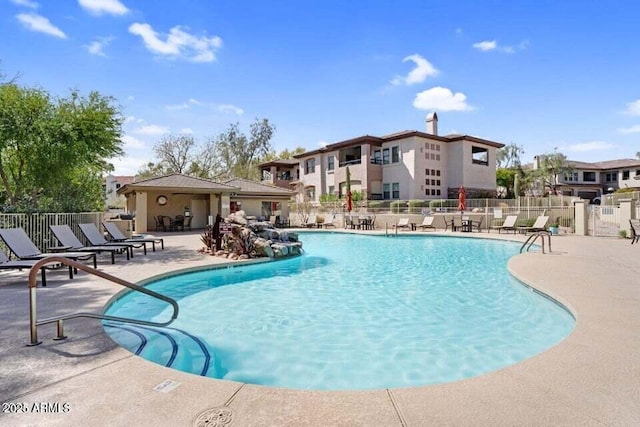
541 74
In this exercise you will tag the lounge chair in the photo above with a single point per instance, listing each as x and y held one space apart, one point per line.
70 242
427 223
328 221
402 223
509 224
95 237
118 237
21 245
635 230
456 223
539 225
6 264
311 221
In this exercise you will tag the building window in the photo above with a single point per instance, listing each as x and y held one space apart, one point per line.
433 191
437 192
433 156
395 154
433 182
377 157
437 147
310 166
438 172
625 174
385 156
589 176
426 172
571 176
480 156
611 176
118 185
386 193
438 157
433 146
395 190
332 189
437 182
311 193
330 163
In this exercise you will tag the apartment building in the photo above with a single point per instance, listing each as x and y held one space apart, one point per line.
110 185
405 165
589 180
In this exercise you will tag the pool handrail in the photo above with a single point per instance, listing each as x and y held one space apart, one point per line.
533 237
33 314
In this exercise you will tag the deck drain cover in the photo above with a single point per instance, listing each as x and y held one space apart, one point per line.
214 417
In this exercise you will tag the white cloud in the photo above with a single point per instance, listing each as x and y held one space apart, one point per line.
441 99
152 130
186 131
97 46
40 24
486 46
131 142
178 43
422 70
26 3
130 98
135 119
174 107
100 7
584 147
228 108
459 31
128 165
632 129
322 144
194 101
489 45
633 108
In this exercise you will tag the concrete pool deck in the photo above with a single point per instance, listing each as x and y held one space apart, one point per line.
590 378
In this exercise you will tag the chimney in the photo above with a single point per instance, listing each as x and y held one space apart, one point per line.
432 124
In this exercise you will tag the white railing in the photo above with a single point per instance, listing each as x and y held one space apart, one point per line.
37 225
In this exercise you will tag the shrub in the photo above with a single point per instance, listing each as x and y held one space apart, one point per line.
417 203
396 205
525 222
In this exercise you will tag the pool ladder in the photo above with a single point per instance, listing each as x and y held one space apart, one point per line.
33 312
532 239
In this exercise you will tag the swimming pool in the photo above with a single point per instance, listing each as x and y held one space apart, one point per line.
355 312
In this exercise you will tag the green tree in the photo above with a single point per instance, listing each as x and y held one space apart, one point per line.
551 166
509 156
52 150
506 178
175 152
238 154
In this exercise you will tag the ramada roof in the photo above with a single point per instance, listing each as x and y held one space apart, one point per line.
179 182
281 162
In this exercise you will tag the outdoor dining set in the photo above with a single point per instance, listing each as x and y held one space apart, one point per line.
177 223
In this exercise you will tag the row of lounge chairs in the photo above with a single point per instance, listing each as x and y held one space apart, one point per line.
467 224
28 254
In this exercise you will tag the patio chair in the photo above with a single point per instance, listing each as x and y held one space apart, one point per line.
477 225
539 225
509 224
311 221
70 242
456 223
328 221
169 224
427 223
6 264
635 230
402 223
117 236
186 223
23 247
96 238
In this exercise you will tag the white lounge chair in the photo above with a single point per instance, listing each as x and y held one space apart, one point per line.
328 221
539 225
427 223
402 223
509 224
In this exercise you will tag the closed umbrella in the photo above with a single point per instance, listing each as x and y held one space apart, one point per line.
349 196
462 199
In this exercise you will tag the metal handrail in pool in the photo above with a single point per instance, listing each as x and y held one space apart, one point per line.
532 238
33 314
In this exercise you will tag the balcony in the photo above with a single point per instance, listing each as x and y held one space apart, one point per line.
350 162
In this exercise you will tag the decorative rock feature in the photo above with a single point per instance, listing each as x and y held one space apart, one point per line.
252 239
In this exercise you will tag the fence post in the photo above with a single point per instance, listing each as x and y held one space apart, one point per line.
627 212
581 218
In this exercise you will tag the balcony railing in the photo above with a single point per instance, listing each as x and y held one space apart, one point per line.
350 162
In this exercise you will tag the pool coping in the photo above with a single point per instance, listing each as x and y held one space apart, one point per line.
589 378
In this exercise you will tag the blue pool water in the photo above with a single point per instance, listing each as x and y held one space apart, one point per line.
355 312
